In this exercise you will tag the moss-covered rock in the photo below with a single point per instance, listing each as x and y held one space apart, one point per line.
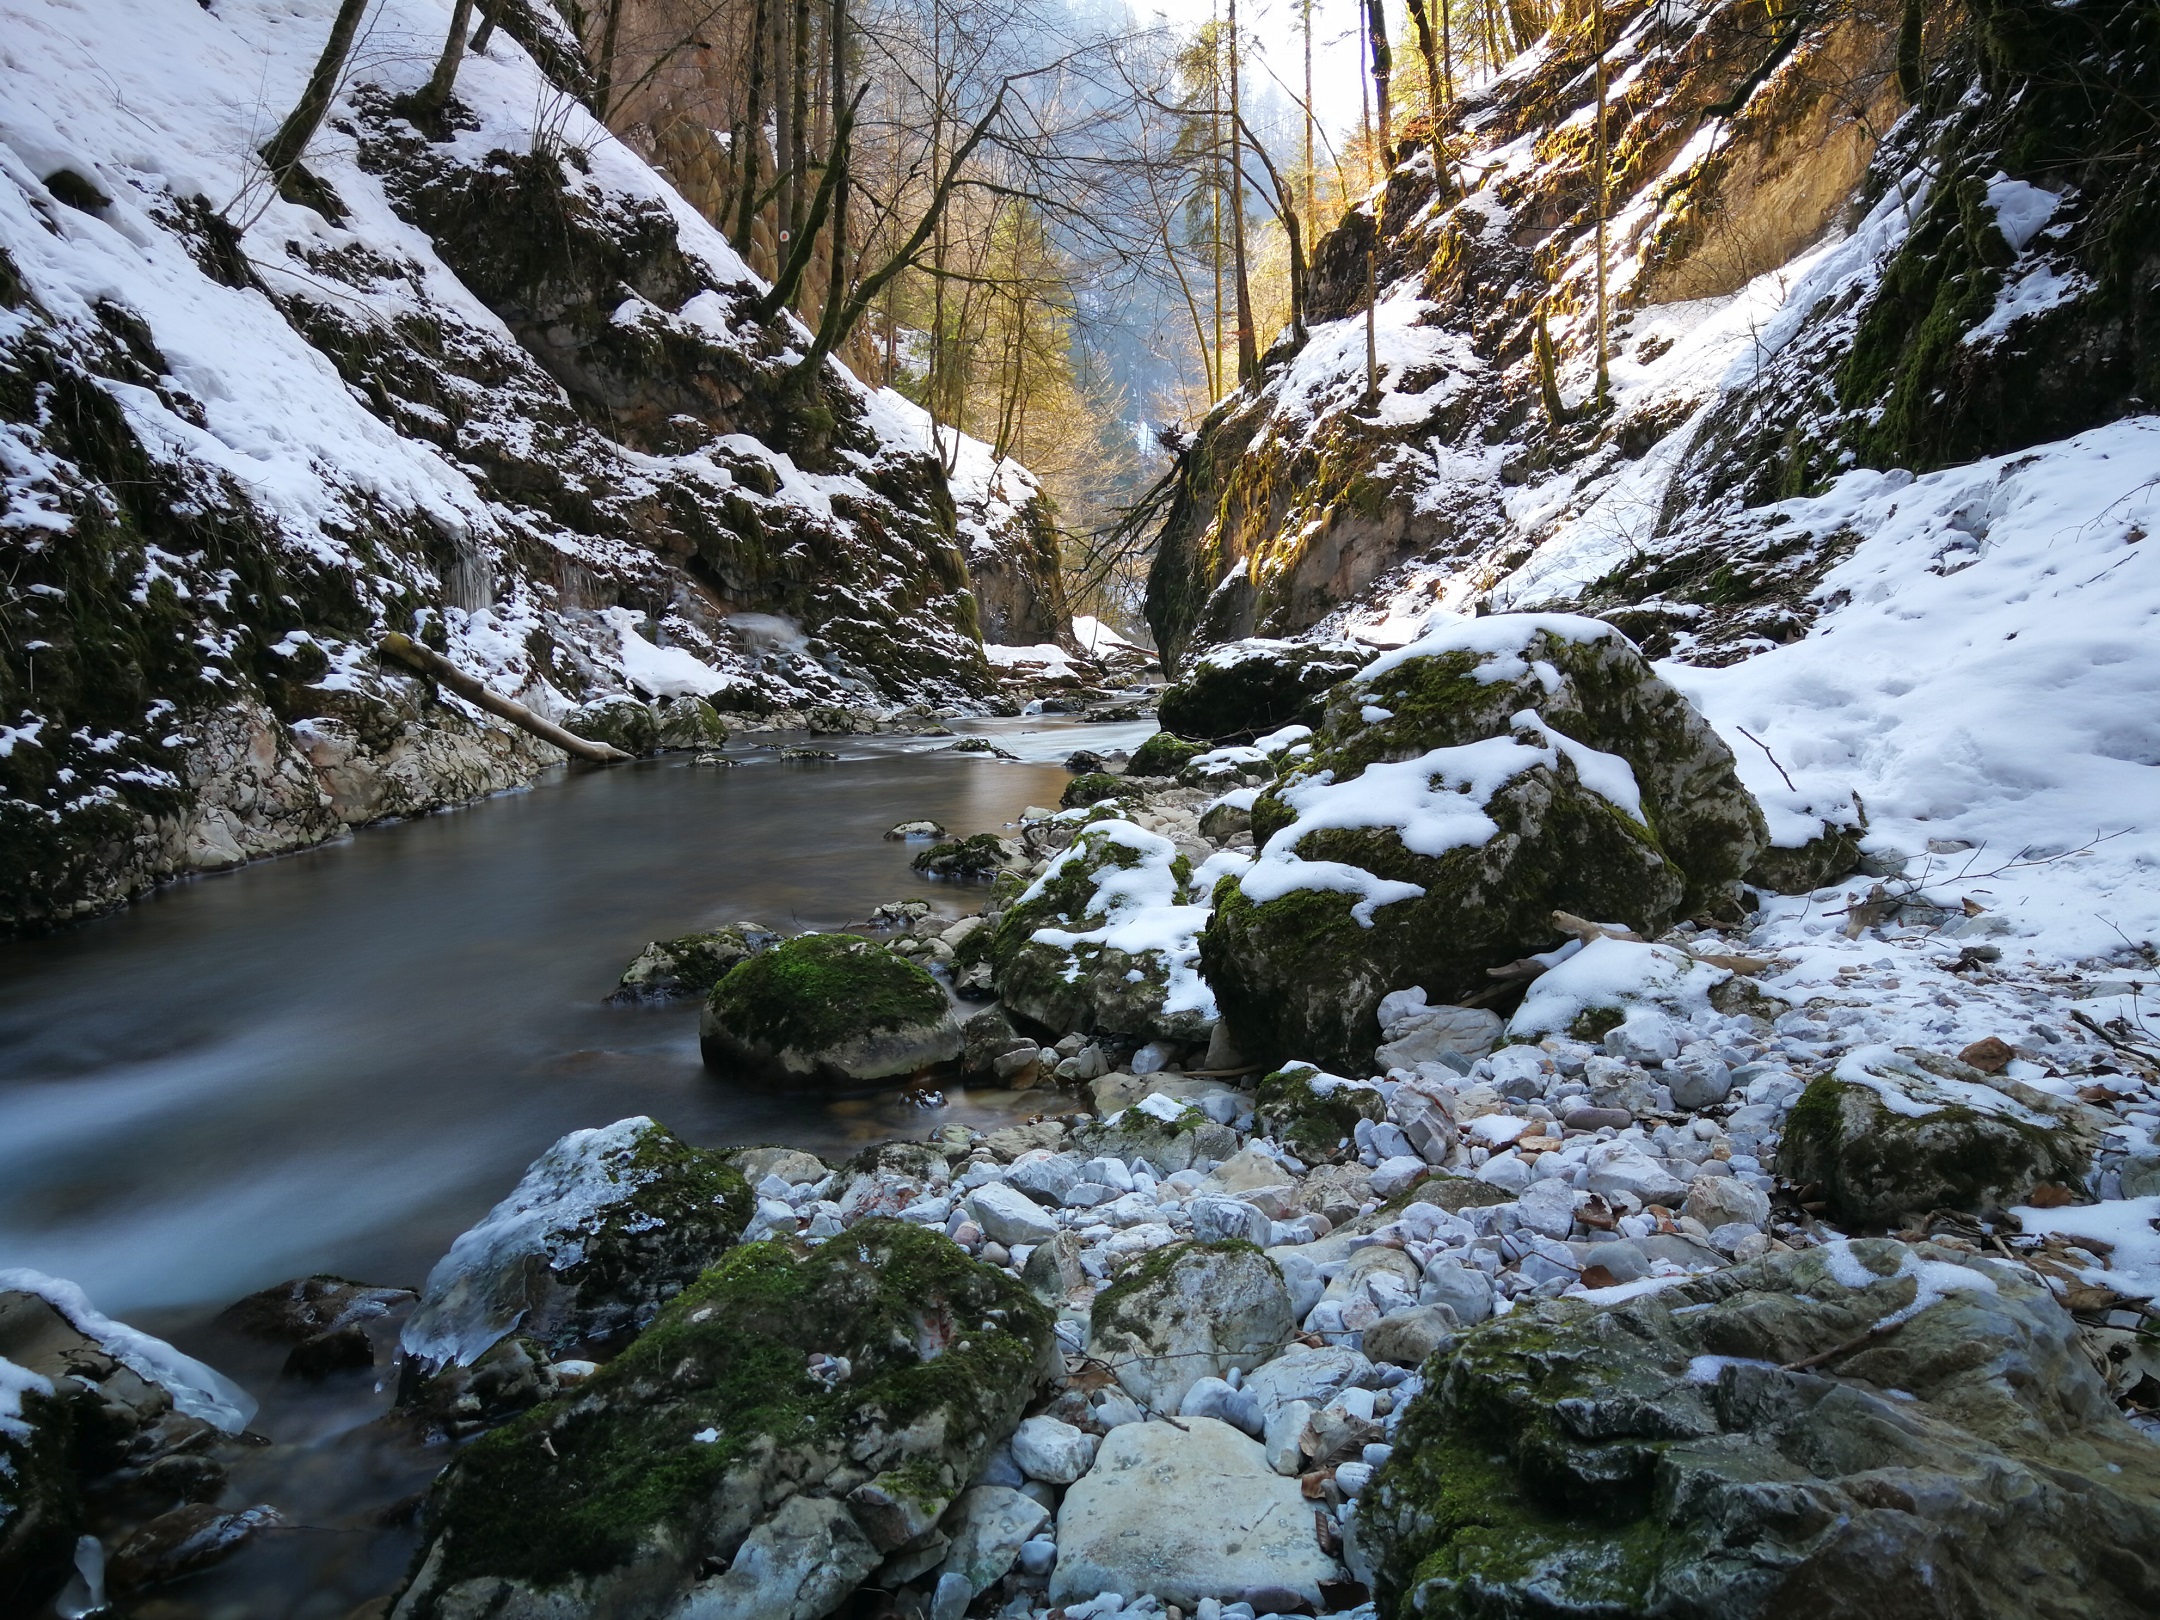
1092 787
688 723
828 1010
1186 1312
691 964
1458 792
1670 1455
978 859
1239 691
1903 1140
1170 1144
1162 754
1104 940
618 720
603 1229
779 1400
1315 1115
1831 854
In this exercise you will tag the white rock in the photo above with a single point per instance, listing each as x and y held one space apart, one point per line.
1423 1036
1009 1216
1051 1450
1302 1373
798 1565
1186 1514
1463 1289
988 1526
1038 1557
1353 1477
1044 1176
1510 1172
1218 1398
1719 1200
1285 1431
1393 1175
1548 1207
1644 1036
1217 1220
1207 1311
1623 1167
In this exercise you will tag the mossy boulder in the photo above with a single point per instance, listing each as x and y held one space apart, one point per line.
1173 1143
618 720
1104 940
1762 1441
1162 754
1315 1115
1889 1137
1092 787
978 859
1831 854
688 723
832 1011
1458 792
787 1422
691 964
1244 689
1189 1311
604 1228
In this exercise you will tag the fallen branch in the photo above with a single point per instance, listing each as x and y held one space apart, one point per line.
431 663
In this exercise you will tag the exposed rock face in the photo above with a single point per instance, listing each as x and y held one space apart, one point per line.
1949 1451
1189 1311
1890 1134
714 1465
605 1228
1235 693
1104 939
1459 791
830 1011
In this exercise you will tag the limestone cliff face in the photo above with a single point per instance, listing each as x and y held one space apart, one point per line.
1805 272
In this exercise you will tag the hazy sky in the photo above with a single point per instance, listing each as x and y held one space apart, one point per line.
1274 34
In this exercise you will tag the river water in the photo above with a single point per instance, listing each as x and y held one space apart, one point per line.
338 1060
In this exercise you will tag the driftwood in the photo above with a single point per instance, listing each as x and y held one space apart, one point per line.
431 663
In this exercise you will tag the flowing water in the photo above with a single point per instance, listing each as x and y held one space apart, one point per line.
336 1061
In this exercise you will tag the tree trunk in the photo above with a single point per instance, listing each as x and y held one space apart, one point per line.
435 94
432 663
799 154
604 73
1597 25
749 166
1383 71
285 147
1248 353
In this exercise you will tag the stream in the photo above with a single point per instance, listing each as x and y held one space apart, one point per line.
337 1060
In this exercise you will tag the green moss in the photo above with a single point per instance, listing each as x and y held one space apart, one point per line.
1312 1126
1162 755
928 1331
817 990
1233 700
969 860
1147 1275
1595 1023
1092 788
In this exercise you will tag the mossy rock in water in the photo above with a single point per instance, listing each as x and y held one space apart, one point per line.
1162 754
838 1400
1092 788
1317 1122
1533 763
602 1230
966 860
688 723
673 969
618 720
1103 941
1246 689
828 1010
1656 1456
1936 1149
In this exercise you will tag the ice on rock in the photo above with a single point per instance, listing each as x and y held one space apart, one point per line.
198 1390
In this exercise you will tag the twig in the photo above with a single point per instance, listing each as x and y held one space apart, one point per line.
1765 747
1879 1331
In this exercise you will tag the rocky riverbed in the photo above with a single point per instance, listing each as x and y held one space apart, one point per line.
1712 1250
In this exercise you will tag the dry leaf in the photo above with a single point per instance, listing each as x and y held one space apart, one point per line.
1990 1056
2050 1195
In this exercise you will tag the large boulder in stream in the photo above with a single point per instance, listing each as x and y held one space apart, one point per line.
1459 791
1105 939
604 1228
1243 689
785 1425
828 1011
1862 1430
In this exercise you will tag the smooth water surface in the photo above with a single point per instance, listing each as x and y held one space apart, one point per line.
337 1060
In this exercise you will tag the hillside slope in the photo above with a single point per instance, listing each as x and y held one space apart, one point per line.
493 384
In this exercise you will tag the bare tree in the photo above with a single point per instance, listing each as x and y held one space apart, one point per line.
283 152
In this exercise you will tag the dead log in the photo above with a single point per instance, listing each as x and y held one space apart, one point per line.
431 663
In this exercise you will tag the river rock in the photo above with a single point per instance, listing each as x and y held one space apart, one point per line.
1465 1290
1408 1337
324 1319
1173 1143
1717 1200
828 1012
1186 1513
1656 1457
680 1458
1612 798
690 965
1051 1450
1008 1216
1885 1136
967 860
1315 1115
1218 1220
988 1526
687 723
185 1540
602 1230
1244 689
1188 1311
618 720
1424 1034
1103 941
1622 1168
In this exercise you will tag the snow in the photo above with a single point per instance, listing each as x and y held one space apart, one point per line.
2021 209
1933 1280
1498 640
1906 1088
1143 908
561 1202
2130 1225
199 1391
1982 673
15 1383
661 671
1047 657
1616 973
1097 638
